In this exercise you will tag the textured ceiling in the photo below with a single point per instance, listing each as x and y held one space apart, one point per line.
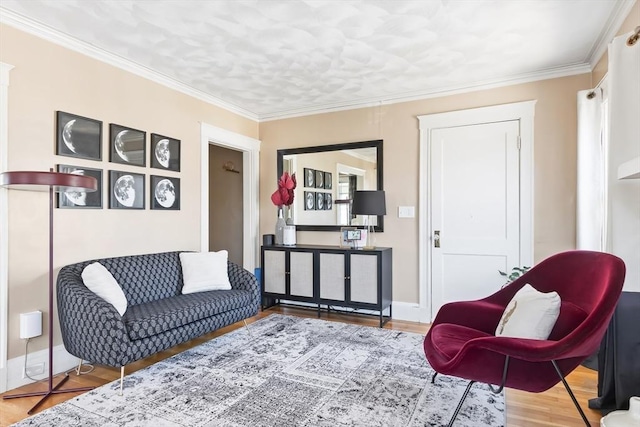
272 58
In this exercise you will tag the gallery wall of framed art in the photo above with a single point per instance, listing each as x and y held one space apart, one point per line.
81 138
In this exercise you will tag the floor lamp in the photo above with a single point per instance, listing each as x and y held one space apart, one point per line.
369 203
53 182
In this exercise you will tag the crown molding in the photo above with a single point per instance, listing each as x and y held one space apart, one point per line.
552 73
616 18
54 36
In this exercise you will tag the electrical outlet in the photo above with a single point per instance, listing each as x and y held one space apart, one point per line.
33 370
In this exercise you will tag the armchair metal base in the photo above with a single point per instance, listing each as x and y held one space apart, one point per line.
504 378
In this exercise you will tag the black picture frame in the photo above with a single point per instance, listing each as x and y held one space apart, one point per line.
309 178
328 201
164 153
328 181
127 146
77 136
319 179
80 199
319 201
309 201
164 193
126 190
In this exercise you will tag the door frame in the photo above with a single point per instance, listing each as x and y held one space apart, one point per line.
523 112
250 148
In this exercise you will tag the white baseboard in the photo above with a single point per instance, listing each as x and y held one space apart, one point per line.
62 361
410 312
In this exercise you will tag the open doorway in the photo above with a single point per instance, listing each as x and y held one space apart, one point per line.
226 202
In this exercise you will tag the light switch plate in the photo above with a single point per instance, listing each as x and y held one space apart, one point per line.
406 211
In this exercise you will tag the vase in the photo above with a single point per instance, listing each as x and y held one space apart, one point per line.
280 224
624 418
289 238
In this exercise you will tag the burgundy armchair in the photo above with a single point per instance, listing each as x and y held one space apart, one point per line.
461 341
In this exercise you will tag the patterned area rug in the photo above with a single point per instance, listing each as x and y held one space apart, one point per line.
293 372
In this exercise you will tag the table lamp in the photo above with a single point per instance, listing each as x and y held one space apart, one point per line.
369 202
53 182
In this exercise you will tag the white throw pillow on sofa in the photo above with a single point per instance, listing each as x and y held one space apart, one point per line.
102 283
204 271
530 314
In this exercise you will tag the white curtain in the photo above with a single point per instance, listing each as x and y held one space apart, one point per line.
591 181
623 236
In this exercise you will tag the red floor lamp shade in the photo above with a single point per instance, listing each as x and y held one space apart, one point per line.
53 182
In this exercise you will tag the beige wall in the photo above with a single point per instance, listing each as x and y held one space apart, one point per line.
554 158
47 78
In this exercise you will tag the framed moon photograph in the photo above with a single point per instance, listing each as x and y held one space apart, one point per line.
165 152
80 199
309 201
127 146
328 201
320 201
126 190
309 178
328 181
319 179
78 136
165 193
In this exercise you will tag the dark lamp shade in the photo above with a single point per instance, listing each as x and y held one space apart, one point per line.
369 203
42 181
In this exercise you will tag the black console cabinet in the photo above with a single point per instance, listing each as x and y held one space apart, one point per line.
328 276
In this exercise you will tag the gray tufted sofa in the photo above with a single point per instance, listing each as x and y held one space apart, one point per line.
158 315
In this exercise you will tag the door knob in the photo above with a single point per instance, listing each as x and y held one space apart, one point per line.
436 239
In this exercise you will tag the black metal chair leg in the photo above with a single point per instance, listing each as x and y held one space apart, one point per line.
575 402
433 378
464 396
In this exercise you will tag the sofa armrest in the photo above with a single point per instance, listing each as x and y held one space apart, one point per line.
243 279
92 329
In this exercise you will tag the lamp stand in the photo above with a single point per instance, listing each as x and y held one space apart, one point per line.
51 390
370 239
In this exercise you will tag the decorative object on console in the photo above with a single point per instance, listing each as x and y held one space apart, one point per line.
369 203
78 136
53 182
165 152
283 196
126 190
165 193
81 199
128 146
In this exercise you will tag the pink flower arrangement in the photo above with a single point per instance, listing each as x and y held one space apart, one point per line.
283 196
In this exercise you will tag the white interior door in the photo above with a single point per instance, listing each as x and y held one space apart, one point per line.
474 209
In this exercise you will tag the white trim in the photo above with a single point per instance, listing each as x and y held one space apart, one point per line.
570 70
4 224
62 362
54 36
250 148
620 13
523 112
409 311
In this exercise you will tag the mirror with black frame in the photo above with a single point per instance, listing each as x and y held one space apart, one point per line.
327 177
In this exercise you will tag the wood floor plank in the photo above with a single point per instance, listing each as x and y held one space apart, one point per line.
552 408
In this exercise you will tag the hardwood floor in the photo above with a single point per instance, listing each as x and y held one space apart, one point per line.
551 408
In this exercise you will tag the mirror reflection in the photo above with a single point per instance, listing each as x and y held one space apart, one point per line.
327 177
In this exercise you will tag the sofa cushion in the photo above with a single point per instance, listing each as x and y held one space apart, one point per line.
101 282
204 271
145 320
